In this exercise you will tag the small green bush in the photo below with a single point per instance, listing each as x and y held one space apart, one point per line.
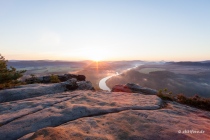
195 101
165 96
54 79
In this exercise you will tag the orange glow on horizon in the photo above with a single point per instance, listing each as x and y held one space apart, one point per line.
96 65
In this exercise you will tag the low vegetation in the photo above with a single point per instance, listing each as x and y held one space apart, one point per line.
148 70
54 79
9 76
195 101
165 95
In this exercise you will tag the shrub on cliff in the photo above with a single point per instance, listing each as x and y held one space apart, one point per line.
195 101
54 79
165 95
8 76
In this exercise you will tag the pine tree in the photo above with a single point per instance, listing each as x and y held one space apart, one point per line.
8 76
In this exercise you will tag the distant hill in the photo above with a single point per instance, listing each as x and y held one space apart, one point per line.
187 84
189 63
38 63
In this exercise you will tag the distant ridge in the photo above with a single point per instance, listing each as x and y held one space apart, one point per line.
35 63
189 63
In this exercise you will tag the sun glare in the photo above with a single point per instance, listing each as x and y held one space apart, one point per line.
96 54
96 58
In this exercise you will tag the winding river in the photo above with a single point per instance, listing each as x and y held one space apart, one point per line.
102 82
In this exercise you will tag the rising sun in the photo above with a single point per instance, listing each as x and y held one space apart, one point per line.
96 58
96 55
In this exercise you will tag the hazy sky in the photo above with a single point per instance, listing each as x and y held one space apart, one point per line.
105 29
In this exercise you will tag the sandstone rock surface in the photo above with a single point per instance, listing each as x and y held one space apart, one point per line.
131 87
100 115
85 85
163 124
34 90
47 79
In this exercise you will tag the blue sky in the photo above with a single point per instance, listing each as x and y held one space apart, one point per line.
105 29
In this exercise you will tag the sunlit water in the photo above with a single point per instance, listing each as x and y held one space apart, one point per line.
102 82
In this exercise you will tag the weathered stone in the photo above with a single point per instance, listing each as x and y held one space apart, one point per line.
34 90
69 76
25 116
84 114
101 115
85 85
78 77
46 79
121 88
176 123
81 77
130 87
62 78
71 84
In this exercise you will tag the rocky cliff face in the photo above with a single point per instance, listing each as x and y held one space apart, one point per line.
86 114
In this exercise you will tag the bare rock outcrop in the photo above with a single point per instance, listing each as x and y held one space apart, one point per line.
85 85
130 87
34 90
22 117
47 79
86 114
174 123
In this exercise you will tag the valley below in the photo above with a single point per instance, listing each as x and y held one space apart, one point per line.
188 78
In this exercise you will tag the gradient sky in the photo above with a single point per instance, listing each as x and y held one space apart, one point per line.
105 29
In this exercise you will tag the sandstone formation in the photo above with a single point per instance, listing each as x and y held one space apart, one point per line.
47 79
130 87
34 90
85 85
58 111
100 115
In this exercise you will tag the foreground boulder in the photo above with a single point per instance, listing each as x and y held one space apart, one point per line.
34 90
130 87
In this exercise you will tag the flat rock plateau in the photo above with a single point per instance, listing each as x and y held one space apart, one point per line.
100 115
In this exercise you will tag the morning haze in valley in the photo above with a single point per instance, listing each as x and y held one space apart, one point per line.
104 69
